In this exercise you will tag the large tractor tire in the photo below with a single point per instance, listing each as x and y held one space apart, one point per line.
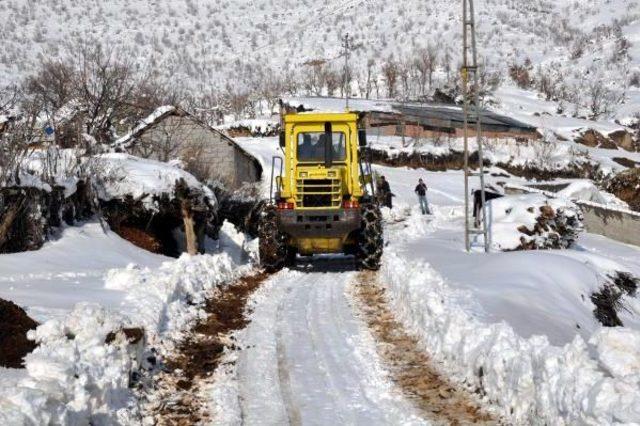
370 240
272 242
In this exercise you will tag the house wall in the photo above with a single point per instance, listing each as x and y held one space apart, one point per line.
207 154
418 132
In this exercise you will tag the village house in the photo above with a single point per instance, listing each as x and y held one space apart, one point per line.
171 133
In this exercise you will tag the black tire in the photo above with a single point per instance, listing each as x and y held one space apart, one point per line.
272 242
370 239
291 257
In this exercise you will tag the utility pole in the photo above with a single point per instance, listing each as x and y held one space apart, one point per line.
469 72
347 71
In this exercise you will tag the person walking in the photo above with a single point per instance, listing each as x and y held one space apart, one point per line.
421 192
384 191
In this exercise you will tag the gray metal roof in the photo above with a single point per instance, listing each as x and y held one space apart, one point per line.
430 115
440 116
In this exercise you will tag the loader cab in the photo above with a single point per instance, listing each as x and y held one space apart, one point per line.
320 160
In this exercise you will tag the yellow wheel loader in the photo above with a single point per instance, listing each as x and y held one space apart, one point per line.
322 194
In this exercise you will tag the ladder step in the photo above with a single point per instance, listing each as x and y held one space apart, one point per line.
476 231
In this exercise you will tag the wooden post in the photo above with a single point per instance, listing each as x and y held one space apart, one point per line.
189 228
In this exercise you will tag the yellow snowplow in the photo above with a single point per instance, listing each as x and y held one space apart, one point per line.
322 194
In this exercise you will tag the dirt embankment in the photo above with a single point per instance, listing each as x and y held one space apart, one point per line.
440 400
178 397
14 325
28 214
626 186
158 230
454 160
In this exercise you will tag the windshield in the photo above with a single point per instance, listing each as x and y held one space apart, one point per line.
311 146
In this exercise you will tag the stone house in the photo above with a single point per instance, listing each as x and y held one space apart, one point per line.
171 133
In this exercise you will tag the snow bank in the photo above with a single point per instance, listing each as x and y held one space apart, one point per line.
74 377
533 221
533 381
586 190
121 175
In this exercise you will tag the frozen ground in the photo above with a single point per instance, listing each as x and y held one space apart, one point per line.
68 270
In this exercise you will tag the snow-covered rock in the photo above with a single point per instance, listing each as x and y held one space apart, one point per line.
533 221
122 175
586 190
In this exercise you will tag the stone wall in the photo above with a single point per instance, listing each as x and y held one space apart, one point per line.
208 154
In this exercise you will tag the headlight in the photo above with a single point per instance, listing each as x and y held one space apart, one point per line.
304 174
331 173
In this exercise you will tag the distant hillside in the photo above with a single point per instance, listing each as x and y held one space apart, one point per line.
563 49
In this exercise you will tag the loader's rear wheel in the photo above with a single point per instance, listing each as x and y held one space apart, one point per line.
272 243
370 241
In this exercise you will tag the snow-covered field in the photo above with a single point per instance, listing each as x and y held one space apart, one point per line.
519 326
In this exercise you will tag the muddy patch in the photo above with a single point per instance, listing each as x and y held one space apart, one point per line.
410 368
178 395
14 325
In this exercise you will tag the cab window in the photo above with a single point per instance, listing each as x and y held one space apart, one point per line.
311 146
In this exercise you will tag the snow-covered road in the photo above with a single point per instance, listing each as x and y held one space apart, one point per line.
309 359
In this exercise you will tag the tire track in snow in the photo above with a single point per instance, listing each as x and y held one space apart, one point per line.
307 359
410 368
179 394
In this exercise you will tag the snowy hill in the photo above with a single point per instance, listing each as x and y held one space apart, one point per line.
566 46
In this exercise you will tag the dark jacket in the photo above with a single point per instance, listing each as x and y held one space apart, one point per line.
421 189
384 186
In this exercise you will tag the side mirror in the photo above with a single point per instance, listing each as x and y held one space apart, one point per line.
283 140
328 145
362 137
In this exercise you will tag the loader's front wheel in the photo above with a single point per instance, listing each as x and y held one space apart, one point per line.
370 240
272 243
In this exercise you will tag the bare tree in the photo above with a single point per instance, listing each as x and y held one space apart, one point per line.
15 136
600 99
333 80
425 64
390 74
52 86
371 77
105 87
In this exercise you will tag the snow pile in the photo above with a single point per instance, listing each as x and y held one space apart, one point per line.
122 175
533 221
533 381
75 377
585 190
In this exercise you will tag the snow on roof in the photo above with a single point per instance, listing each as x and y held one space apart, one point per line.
125 141
436 114
338 104
152 118
121 175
